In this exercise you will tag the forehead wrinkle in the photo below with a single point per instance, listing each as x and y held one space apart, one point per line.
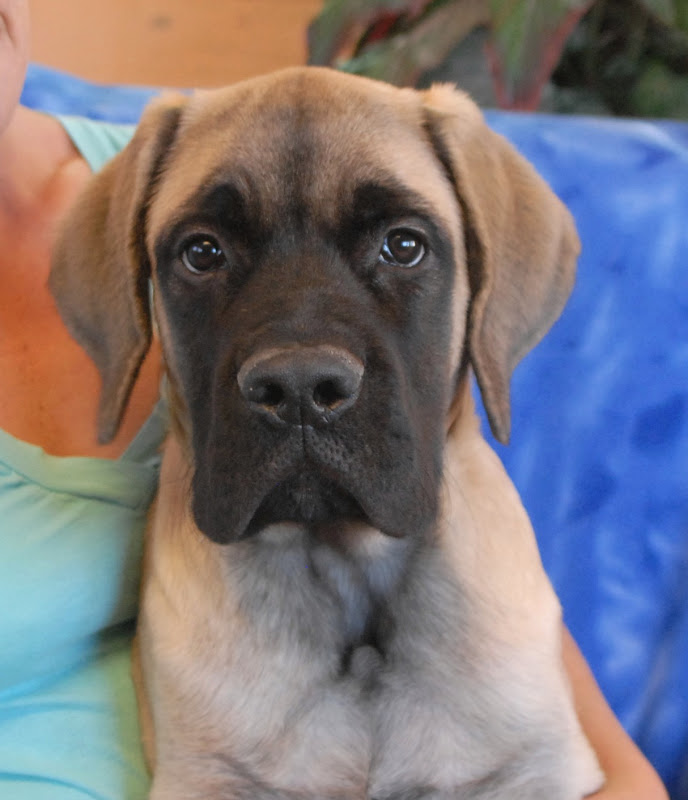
204 188
387 198
222 208
296 155
396 155
328 126
268 169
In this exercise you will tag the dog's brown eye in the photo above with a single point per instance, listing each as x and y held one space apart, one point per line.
402 248
203 254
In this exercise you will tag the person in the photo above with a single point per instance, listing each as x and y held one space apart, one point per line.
72 511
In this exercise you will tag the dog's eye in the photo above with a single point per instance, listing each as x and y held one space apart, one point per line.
402 248
203 254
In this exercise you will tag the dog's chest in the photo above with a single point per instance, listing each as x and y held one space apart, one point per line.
334 671
314 656
295 660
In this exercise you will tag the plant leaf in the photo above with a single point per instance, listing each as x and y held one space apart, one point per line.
664 10
341 22
659 92
673 13
403 58
528 37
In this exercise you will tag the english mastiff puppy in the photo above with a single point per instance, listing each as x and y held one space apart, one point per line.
343 597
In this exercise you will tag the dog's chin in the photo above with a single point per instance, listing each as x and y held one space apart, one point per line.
229 507
305 499
313 502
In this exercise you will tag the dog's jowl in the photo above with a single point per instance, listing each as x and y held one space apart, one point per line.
342 595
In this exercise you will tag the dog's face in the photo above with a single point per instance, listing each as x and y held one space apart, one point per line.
295 282
318 245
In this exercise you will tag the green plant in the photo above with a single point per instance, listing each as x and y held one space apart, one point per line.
610 56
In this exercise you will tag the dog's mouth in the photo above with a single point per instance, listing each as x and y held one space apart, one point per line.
307 499
329 485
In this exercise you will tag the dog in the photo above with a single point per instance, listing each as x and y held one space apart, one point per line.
342 594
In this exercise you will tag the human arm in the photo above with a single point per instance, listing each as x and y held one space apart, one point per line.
629 775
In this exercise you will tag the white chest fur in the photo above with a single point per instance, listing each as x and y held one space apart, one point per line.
360 666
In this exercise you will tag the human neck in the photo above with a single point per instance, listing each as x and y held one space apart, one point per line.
33 149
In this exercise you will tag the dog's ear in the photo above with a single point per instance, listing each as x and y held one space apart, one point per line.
521 245
100 268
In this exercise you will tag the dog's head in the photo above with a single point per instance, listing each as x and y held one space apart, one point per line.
328 255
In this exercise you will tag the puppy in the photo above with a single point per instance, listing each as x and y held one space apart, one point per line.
342 594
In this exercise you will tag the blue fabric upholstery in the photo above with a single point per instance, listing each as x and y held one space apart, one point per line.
600 443
60 93
599 447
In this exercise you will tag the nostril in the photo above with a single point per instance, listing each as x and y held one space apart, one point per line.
267 394
328 394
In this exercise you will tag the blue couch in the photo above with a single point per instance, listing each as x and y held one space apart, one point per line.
599 447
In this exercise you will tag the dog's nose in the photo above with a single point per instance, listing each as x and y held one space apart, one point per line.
301 385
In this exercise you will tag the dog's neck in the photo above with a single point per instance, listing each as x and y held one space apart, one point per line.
360 567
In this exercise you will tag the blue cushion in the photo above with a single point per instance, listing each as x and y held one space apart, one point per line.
600 443
599 447
61 93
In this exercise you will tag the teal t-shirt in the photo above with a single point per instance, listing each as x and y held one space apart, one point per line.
71 534
97 142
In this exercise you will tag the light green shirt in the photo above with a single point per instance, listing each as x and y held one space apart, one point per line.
70 548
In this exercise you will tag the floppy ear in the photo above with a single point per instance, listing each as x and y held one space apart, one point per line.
100 268
521 245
